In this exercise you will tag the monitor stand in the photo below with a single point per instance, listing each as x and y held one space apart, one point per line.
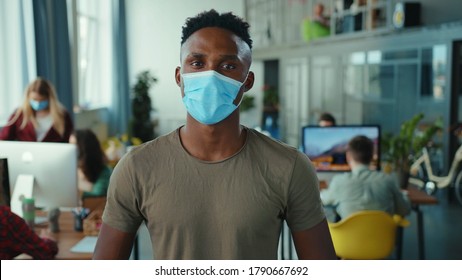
23 188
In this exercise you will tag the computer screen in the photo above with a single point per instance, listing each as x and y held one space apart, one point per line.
53 167
326 146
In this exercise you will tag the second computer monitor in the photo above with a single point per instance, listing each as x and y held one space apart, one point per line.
326 146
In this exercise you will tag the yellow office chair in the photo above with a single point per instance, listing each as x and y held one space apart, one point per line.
366 235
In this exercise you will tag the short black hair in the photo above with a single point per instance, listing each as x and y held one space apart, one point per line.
212 18
361 149
328 118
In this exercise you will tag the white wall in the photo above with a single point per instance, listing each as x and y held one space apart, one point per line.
154 34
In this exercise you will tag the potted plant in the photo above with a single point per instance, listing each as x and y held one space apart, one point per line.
141 125
400 150
270 108
247 103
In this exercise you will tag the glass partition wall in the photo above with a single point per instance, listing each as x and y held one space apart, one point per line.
365 87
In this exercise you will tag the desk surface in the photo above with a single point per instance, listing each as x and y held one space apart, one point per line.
416 196
420 197
67 237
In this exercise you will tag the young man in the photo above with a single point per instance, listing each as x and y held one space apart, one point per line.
364 189
214 189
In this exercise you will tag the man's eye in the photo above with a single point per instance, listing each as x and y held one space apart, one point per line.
196 63
229 66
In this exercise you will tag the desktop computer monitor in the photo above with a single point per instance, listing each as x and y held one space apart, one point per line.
326 146
45 171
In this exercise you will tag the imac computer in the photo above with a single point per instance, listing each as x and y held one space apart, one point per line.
46 172
326 147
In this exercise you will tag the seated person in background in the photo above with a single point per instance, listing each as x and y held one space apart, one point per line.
16 238
326 119
93 171
364 189
41 117
318 15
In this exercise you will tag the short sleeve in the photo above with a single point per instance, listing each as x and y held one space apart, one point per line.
304 209
122 206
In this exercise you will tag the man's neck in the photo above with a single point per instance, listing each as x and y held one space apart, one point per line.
213 142
356 165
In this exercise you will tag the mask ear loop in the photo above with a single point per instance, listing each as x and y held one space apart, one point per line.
242 98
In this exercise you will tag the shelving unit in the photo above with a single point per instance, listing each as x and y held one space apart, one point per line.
278 22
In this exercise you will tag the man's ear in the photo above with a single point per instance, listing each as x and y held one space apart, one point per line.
248 84
178 76
349 158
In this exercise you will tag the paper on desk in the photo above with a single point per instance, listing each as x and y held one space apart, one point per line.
86 245
40 220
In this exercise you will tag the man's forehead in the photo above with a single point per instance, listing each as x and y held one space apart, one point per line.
208 38
213 31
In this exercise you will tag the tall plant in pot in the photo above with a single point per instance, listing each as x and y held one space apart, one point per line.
401 149
141 125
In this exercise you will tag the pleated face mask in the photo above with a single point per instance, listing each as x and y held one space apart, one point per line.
209 96
38 105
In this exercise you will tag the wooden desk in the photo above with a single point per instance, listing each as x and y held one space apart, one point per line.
417 198
67 238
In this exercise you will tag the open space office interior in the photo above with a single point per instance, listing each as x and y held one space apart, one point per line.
118 73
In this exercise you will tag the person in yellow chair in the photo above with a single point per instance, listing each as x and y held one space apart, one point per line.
93 171
362 188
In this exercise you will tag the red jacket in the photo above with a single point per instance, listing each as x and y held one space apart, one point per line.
13 132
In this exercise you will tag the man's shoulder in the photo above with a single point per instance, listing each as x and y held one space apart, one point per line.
261 140
380 175
263 150
379 178
158 146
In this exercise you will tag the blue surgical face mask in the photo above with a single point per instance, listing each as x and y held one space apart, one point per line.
209 96
38 105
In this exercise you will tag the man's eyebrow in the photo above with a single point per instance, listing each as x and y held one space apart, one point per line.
197 55
224 56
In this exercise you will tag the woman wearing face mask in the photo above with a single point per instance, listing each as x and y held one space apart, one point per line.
41 118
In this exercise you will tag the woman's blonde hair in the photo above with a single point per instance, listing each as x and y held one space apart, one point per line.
46 89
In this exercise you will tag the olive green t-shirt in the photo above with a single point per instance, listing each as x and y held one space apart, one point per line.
228 209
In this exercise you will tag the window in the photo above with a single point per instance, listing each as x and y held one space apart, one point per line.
381 81
17 54
354 74
94 53
433 72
